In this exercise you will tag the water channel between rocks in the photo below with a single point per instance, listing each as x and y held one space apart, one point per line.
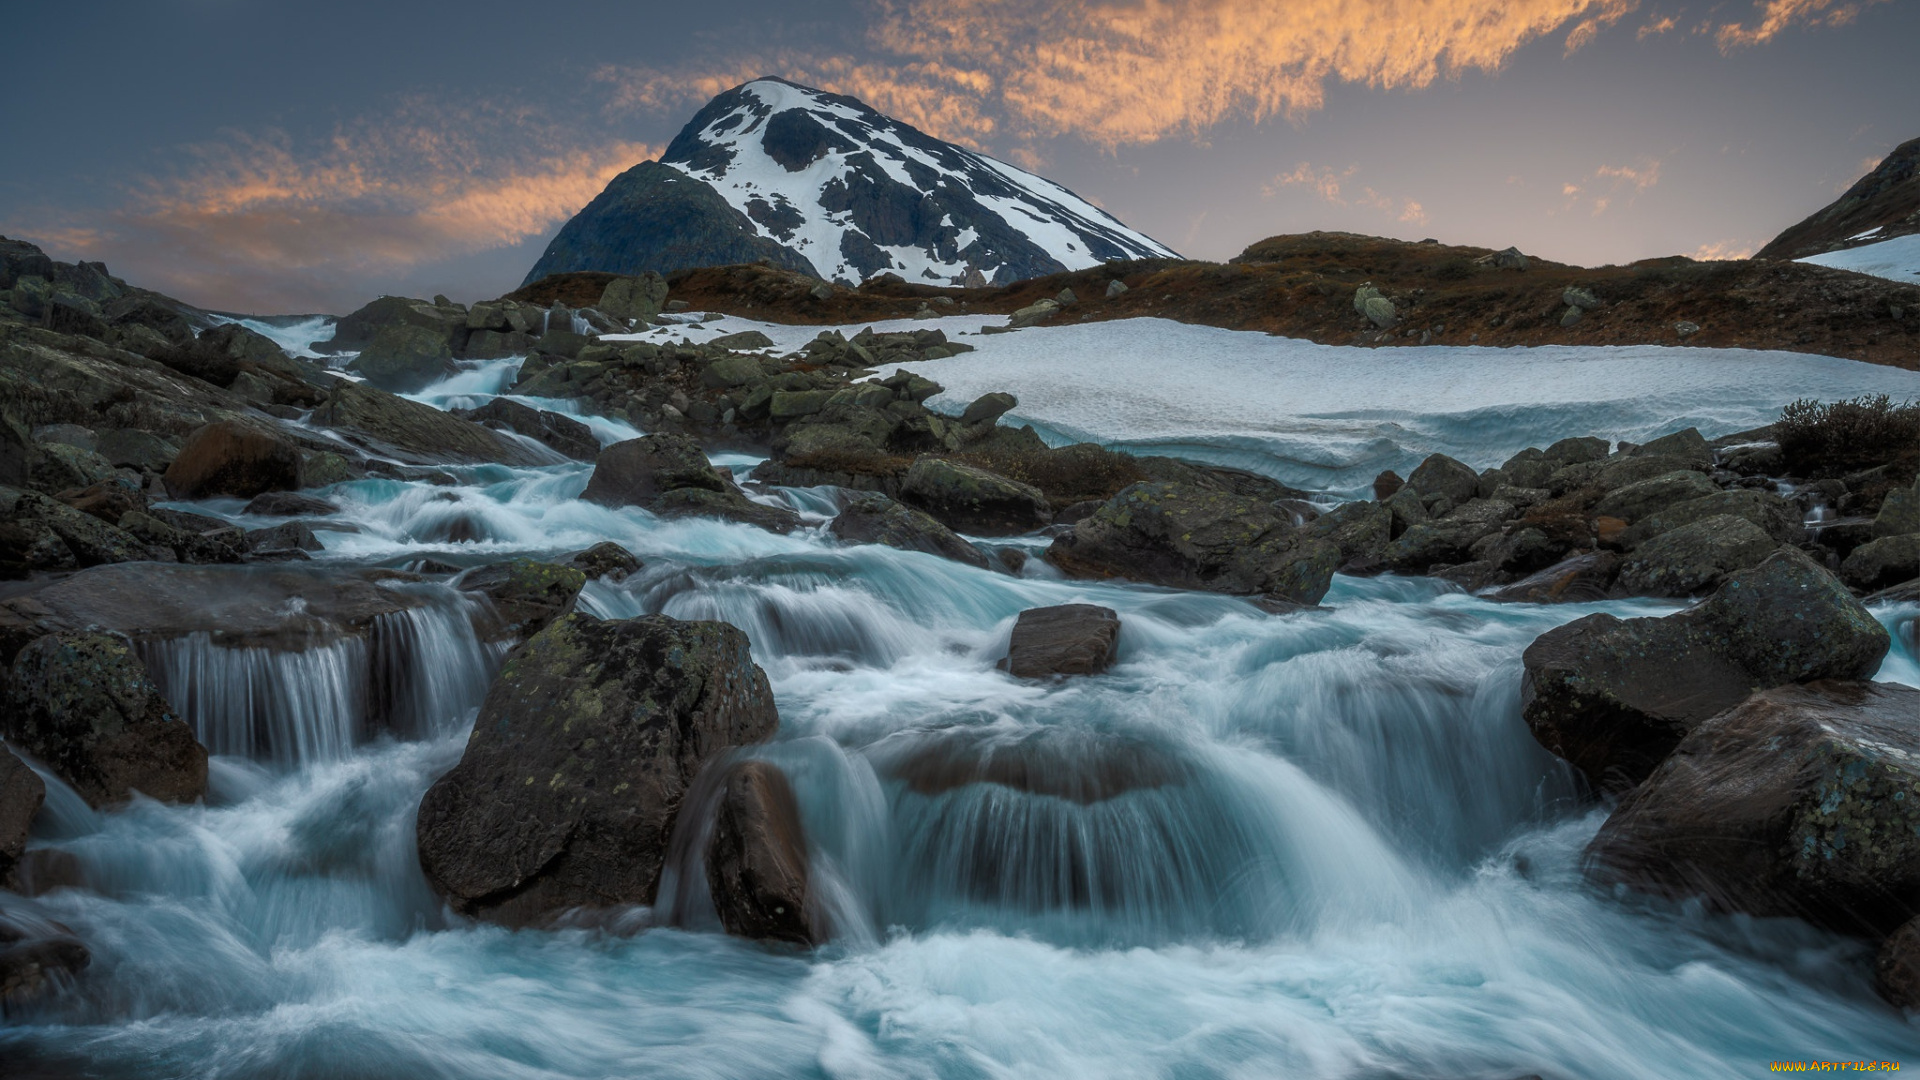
1318 845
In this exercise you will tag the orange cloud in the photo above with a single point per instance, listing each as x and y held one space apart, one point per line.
1608 182
1330 186
1723 249
1778 15
261 220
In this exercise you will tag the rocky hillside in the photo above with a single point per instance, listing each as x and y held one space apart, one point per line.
1882 205
1315 286
821 184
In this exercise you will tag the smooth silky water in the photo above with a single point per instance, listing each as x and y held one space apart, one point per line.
1314 845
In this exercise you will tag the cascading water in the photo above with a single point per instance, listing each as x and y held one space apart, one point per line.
1318 845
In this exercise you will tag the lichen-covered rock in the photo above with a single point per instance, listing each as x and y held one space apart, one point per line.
584 748
876 519
525 594
1686 444
47 534
1694 559
1068 639
1613 696
1449 538
1802 800
1361 530
404 359
1190 538
1644 498
757 871
638 297
670 475
81 702
974 500
1778 517
229 458
1883 563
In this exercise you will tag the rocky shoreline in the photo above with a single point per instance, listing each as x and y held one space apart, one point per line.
1747 758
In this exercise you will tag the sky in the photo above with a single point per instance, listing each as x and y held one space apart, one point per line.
283 156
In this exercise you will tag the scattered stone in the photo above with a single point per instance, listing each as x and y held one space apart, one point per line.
636 298
989 408
1575 297
1066 298
606 559
1509 259
81 702
1034 314
757 871
1634 501
1570 316
1070 639
585 747
1115 288
874 518
742 341
1798 801
1613 696
1386 484
1686 329
1442 475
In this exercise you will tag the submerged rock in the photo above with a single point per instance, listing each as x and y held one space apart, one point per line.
875 519
584 748
670 475
757 870
561 433
21 793
36 956
1614 696
81 702
1802 801
605 559
1070 639
1190 538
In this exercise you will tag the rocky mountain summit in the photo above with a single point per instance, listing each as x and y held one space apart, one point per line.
1880 206
823 185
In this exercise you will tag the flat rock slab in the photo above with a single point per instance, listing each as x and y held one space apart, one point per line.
1071 639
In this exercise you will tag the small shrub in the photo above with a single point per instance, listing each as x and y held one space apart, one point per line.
1835 438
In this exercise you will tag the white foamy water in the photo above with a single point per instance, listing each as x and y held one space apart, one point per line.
1314 845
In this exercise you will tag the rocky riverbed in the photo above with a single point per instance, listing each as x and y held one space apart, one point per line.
616 681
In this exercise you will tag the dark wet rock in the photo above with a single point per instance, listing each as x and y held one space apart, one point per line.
1361 530
1070 639
730 505
638 298
359 329
413 433
218 355
1613 696
1798 801
1442 475
37 956
82 703
1780 518
228 458
1687 445
291 535
605 559
1882 563
1578 579
988 408
1449 538
757 872
1597 478
1896 967
1899 513
638 471
562 433
222 545
1170 534
250 605
1644 498
583 751
742 341
405 359
974 500
21 793
526 594
1386 484
1694 559
107 500
875 519
1057 764
288 504
77 539
18 453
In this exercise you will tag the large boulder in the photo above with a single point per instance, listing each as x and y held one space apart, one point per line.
1896 968
21 793
1442 475
221 353
585 746
605 559
560 432
230 458
414 433
1798 801
359 329
1360 529
81 702
974 500
405 359
670 475
38 533
873 518
1694 559
1778 517
1069 639
1644 498
525 594
1449 538
637 298
756 858
1190 538
1614 696
1883 563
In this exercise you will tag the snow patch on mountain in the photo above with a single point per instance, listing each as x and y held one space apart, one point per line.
1897 259
857 193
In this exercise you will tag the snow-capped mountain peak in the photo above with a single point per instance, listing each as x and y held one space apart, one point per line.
844 192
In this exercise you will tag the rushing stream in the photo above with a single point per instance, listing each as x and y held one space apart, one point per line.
1314 845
